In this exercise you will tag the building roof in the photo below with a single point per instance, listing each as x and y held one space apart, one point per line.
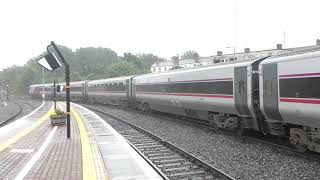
163 63
211 58
205 59
186 61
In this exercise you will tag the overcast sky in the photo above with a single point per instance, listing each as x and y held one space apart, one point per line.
161 27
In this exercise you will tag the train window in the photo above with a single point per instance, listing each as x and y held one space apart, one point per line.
268 87
122 87
242 87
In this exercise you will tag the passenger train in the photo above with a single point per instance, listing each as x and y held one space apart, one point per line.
277 95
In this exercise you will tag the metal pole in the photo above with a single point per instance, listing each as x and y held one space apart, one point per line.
43 84
54 95
7 91
235 24
234 53
67 87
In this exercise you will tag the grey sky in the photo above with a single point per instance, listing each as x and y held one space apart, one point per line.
162 27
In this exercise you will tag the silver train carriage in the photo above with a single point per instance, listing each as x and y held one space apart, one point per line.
116 91
222 94
36 90
290 99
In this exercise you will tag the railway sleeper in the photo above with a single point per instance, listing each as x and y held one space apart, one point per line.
161 154
163 157
187 174
146 140
164 149
181 168
170 160
143 144
174 164
157 146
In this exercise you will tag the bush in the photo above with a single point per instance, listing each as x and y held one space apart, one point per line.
57 114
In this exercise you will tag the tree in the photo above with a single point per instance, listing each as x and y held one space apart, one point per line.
122 68
190 55
85 64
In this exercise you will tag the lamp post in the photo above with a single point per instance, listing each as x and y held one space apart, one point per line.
7 86
51 63
67 87
55 90
43 96
234 51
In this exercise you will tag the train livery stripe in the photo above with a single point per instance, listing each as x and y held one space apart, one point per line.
189 81
189 94
299 75
299 100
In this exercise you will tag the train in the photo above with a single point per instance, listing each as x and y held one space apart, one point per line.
276 96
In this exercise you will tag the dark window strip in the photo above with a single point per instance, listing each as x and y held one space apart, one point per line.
300 87
219 87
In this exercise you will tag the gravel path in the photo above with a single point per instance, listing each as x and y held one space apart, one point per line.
242 160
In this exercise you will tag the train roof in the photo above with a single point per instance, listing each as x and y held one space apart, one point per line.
204 68
293 56
37 85
123 78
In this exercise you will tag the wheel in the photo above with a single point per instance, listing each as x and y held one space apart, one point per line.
294 141
145 108
301 147
240 131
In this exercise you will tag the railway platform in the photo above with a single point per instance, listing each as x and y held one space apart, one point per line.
31 148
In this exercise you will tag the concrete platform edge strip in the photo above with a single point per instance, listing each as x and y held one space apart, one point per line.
26 131
88 169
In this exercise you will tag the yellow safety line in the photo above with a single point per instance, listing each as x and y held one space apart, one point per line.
25 132
88 168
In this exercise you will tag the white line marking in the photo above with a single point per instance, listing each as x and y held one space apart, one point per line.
21 151
36 156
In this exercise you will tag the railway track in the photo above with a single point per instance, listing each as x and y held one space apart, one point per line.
24 107
12 117
277 143
170 161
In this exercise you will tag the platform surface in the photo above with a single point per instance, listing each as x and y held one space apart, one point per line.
31 148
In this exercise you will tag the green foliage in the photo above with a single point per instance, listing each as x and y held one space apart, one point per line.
122 68
85 64
57 114
190 55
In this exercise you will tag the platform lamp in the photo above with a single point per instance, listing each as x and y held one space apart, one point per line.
7 86
50 60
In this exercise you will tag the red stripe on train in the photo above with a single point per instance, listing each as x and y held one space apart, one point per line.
305 101
191 94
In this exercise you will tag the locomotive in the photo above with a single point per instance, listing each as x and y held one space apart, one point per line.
277 95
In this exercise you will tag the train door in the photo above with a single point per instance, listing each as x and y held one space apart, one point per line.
128 89
240 90
83 89
133 89
270 91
